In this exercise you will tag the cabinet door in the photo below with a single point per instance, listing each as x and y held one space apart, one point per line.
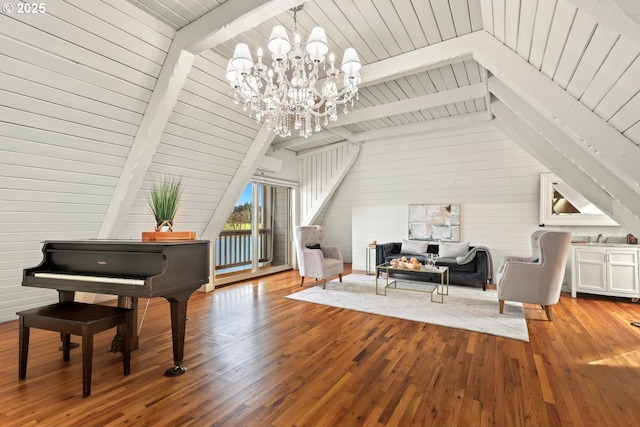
590 271
622 270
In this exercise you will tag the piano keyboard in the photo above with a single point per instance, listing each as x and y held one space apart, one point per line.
97 279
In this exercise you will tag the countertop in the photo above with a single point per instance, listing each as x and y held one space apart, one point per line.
604 244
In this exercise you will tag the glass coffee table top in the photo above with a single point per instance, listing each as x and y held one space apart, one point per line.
409 285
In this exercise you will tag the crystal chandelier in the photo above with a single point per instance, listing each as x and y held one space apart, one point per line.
290 93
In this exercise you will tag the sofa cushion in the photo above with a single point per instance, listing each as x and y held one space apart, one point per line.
453 250
414 247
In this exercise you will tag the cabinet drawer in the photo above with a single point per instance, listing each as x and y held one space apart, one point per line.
590 256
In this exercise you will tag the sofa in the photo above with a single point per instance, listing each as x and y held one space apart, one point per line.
468 265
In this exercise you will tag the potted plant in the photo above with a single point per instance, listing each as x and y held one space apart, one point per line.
164 200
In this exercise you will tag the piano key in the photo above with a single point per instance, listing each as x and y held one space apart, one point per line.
97 279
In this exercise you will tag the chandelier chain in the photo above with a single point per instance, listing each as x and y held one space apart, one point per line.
295 11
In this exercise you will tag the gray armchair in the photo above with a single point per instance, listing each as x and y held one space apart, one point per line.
536 280
315 259
535 248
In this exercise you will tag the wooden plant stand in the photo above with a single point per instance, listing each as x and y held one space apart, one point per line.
163 236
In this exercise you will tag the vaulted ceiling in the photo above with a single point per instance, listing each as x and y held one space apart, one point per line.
560 77
100 97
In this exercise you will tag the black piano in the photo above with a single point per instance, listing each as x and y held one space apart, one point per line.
129 269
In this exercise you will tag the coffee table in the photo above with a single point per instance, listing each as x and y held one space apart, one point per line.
429 287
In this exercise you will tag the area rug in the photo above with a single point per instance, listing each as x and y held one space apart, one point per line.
465 307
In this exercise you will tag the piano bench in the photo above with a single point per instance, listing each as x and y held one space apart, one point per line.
75 318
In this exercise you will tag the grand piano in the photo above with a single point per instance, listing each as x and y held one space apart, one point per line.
129 269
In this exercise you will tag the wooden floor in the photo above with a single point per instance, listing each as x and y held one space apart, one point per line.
258 359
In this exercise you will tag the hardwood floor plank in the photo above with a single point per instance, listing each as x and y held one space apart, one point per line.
256 358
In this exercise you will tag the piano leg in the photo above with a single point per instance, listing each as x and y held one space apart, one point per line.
116 343
178 304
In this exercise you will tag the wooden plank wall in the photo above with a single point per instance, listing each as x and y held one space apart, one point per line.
494 180
204 142
315 171
74 84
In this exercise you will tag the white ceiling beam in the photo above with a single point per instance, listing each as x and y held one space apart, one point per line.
587 129
620 201
217 26
465 93
319 136
343 133
541 149
324 149
423 127
514 127
394 131
248 167
291 143
562 142
451 51
172 77
228 20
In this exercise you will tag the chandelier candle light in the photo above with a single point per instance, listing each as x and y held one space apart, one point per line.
293 98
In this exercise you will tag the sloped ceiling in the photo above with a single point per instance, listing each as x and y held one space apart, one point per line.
429 64
98 98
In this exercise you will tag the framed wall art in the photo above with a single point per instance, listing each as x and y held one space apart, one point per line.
434 222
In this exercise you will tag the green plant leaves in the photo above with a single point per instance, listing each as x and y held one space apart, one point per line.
164 198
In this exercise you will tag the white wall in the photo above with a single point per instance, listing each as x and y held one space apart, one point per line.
74 85
495 182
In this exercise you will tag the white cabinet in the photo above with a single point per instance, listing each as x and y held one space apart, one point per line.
605 270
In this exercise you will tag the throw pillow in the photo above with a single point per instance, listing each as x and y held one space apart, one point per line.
414 247
453 250
316 246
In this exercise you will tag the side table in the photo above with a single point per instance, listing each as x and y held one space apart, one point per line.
369 265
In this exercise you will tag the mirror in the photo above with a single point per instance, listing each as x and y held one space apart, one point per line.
562 205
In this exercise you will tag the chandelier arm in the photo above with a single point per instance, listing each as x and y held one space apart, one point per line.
336 98
287 96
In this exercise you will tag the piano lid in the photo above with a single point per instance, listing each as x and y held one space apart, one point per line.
164 266
127 241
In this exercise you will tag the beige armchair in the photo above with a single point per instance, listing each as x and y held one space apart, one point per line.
315 259
536 280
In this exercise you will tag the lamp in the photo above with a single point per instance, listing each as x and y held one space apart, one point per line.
290 93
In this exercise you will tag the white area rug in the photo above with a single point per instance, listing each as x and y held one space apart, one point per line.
465 307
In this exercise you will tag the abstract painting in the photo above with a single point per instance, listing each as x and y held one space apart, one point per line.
434 222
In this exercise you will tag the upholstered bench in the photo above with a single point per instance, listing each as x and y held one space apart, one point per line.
74 318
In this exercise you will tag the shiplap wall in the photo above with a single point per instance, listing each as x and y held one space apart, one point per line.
494 180
204 142
74 84
316 170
